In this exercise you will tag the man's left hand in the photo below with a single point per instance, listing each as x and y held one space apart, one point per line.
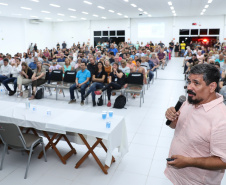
180 161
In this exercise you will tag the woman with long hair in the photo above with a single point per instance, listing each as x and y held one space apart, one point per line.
99 78
38 78
24 77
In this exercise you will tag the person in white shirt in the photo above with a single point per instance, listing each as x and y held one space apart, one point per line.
5 70
124 68
15 71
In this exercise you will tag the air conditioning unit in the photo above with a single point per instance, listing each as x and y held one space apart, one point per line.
35 21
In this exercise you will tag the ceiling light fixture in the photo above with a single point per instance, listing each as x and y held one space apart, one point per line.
172 8
95 15
85 12
145 13
126 16
71 9
112 11
73 17
60 14
206 6
60 20
101 7
173 11
140 9
45 11
37 1
55 5
83 18
26 8
133 5
48 18
149 15
210 1
201 13
33 16
175 14
87 2
119 13
4 4
103 17
170 3
204 10
126 0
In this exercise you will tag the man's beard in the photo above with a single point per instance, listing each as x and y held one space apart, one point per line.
191 101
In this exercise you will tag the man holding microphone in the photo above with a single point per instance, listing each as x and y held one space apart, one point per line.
197 153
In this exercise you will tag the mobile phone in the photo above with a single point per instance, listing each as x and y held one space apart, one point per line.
169 159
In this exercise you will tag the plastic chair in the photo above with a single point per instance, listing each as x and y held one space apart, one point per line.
12 137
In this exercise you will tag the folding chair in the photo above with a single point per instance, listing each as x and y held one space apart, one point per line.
69 79
12 137
135 85
56 76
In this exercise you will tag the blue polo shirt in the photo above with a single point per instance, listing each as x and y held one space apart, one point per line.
33 65
113 50
61 60
82 76
218 60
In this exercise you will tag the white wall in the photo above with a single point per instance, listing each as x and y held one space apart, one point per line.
17 34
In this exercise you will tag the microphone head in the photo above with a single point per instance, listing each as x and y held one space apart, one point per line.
182 99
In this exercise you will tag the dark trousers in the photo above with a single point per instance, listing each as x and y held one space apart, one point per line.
83 90
94 87
151 75
2 78
7 81
111 86
38 82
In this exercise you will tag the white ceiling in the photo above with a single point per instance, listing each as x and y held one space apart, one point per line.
155 8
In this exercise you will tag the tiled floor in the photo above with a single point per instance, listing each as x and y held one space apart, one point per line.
149 140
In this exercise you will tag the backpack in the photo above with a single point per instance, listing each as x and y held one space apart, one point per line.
120 102
100 101
39 94
223 92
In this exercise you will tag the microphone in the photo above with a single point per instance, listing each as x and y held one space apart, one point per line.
181 100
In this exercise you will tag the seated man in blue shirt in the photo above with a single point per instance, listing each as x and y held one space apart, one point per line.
61 59
82 81
113 49
33 65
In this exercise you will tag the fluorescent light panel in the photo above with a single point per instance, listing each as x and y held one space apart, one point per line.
170 3
204 10
85 12
133 5
33 16
172 8
71 9
126 16
43 11
83 18
4 4
112 11
37 1
103 17
26 8
55 5
101 7
140 9
145 13
48 18
173 11
73 17
206 6
119 13
210 1
149 15
87 2
16 14
95 15
60 14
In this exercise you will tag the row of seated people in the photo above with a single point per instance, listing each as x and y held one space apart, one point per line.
22 74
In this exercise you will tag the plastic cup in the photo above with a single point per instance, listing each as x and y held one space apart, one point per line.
104 115
34 109
110 113
48 112
108 124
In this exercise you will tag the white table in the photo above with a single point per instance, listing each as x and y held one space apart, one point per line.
62 122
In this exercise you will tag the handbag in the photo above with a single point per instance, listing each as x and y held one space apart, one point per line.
25 93
100 101
39 94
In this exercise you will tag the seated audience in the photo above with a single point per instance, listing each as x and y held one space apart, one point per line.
5 70
98 80
15 71
33 65
116 81
124 68
162 58
82 81
38 78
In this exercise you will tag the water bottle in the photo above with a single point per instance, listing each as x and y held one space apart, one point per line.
27 104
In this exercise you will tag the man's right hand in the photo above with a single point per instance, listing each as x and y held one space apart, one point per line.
171 114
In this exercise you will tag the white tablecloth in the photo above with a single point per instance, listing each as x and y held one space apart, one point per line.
68 121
